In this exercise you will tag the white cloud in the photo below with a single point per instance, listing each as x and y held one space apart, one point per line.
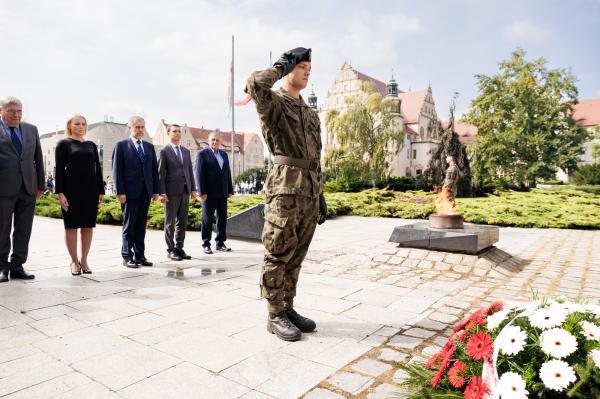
400 24
526 29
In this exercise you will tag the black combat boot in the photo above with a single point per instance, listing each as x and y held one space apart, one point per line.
303 323
280 325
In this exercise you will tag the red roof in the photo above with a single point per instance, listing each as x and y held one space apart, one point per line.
587 112
466 132
378 85
411 105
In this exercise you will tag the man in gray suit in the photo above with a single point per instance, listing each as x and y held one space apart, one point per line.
21 182
177 186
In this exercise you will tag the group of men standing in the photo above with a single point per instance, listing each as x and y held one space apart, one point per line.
140 177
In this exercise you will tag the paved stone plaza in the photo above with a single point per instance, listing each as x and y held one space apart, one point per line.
196 328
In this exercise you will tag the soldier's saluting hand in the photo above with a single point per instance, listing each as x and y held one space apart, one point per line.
293 189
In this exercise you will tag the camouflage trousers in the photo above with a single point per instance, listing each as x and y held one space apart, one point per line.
290 222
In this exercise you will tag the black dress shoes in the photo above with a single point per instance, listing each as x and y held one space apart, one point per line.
280 325
130 263
20 274
3 276
174 255
143 262
182 253
303 323
207 250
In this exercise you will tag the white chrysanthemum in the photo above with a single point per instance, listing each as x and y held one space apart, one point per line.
557 374
512 340
558 343
574 307
512 386
595 309
590 331
549 317
494 320
595 353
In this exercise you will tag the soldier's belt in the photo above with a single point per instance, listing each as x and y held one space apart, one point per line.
297 162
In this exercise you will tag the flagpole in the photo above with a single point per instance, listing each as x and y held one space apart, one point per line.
232 113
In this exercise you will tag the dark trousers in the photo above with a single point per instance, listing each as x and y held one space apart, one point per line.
208 214
16 214
176 217
135 215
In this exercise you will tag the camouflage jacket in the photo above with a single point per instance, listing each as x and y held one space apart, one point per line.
290 128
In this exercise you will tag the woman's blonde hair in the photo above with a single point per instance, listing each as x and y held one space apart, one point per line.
68 132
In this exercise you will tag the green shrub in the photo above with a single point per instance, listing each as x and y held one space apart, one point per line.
587 174
541 208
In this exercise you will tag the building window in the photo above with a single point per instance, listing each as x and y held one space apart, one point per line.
414 154
419 172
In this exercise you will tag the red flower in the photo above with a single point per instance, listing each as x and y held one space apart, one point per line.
436 378
479 317
456 374
479 346
476 389
496 306
432 362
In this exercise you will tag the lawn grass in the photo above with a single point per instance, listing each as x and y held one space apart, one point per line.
566 208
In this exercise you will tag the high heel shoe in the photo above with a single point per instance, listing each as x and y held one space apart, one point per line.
78 269
84 271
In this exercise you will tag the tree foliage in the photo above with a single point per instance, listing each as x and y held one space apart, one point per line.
368 126
252 175
587 174
525 129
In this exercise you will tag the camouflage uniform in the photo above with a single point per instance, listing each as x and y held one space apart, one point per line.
292 132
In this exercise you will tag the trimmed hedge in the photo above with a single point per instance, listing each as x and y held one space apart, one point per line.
564 208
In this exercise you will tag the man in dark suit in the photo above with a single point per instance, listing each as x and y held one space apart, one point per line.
21 183
177 186
214 187
135 173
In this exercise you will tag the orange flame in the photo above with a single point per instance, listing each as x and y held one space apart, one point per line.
444 205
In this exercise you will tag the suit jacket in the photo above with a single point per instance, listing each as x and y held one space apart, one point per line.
210 178
26 170
173 173
130 176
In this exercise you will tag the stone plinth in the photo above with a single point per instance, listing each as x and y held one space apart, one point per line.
247 224
472 238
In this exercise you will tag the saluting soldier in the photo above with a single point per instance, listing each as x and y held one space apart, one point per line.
294 190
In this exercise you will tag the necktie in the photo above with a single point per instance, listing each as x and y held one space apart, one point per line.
178 151
15 140
140 151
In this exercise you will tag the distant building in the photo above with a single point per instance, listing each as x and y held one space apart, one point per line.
104 134
417 117
248 147
587 115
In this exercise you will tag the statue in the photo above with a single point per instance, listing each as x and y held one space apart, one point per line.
451 179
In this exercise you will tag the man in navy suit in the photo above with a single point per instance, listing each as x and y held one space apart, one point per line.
213 181
135 173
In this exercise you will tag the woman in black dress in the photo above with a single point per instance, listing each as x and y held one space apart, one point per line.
80 188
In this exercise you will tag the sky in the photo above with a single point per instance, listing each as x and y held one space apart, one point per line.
170 59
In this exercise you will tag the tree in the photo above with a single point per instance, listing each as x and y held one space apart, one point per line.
256 176
367 131
449 145
587 174
525 128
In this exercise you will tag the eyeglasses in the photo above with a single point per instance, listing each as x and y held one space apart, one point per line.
14 111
